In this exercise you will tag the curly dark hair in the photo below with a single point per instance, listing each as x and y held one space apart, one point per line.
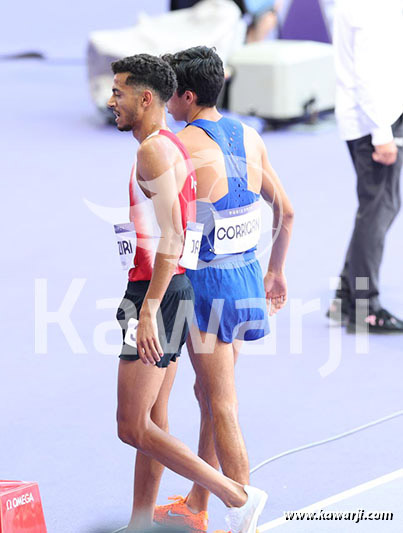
198 69
149 71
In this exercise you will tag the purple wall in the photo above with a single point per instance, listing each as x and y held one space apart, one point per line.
306 20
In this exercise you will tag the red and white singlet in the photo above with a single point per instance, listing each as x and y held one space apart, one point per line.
142 214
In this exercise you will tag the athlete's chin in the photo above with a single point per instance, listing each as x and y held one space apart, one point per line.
124 127
175 114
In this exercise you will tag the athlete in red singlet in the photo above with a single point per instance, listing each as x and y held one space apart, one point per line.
143 216
158 295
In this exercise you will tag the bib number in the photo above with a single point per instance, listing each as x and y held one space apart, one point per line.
191 249
237 230
131 332
126 240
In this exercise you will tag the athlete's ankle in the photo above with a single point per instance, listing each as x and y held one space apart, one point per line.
139 521
197 502
238 498
138 527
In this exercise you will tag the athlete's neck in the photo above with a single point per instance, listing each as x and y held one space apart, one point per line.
207 113
153 122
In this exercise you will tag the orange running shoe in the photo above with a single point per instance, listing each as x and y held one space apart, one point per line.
179 514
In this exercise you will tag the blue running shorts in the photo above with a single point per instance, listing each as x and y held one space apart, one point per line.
230 300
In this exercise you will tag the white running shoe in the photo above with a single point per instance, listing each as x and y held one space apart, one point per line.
244 519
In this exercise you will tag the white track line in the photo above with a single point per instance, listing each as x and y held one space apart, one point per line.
336 498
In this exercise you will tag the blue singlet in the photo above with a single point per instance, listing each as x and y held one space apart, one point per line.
229 294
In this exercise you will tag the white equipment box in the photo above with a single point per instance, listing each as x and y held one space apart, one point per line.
282 79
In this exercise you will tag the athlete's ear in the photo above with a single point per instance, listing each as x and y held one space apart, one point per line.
190 97
147 97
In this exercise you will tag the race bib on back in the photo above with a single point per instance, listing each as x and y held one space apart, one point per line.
191 249
237 230
126 241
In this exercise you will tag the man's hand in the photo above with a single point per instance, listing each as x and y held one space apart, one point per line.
275 285
148 345
385 154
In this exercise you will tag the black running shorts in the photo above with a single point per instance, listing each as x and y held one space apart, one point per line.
173 318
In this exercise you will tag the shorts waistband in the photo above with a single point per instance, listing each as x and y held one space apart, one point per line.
229 261
177 283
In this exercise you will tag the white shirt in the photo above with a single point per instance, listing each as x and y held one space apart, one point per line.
368 46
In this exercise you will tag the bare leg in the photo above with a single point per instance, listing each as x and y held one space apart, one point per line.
198 497
138 388
148 471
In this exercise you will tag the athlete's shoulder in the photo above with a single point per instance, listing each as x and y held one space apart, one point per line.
155 143
251 135
158 145
188 132
250 131
191 137
155 155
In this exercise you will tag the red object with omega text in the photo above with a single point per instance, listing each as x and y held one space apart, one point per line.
21 508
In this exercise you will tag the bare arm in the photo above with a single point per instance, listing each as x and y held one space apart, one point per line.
274 194
156 167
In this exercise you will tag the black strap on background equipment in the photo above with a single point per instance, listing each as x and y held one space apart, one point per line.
183 4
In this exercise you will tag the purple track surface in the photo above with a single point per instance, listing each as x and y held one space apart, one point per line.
57 418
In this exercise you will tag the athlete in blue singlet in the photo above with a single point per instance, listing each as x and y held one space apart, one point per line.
233 173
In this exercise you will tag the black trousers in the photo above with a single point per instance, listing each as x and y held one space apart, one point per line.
378 189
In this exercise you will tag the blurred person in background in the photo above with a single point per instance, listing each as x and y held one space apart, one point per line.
261 15
263 18
369 105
